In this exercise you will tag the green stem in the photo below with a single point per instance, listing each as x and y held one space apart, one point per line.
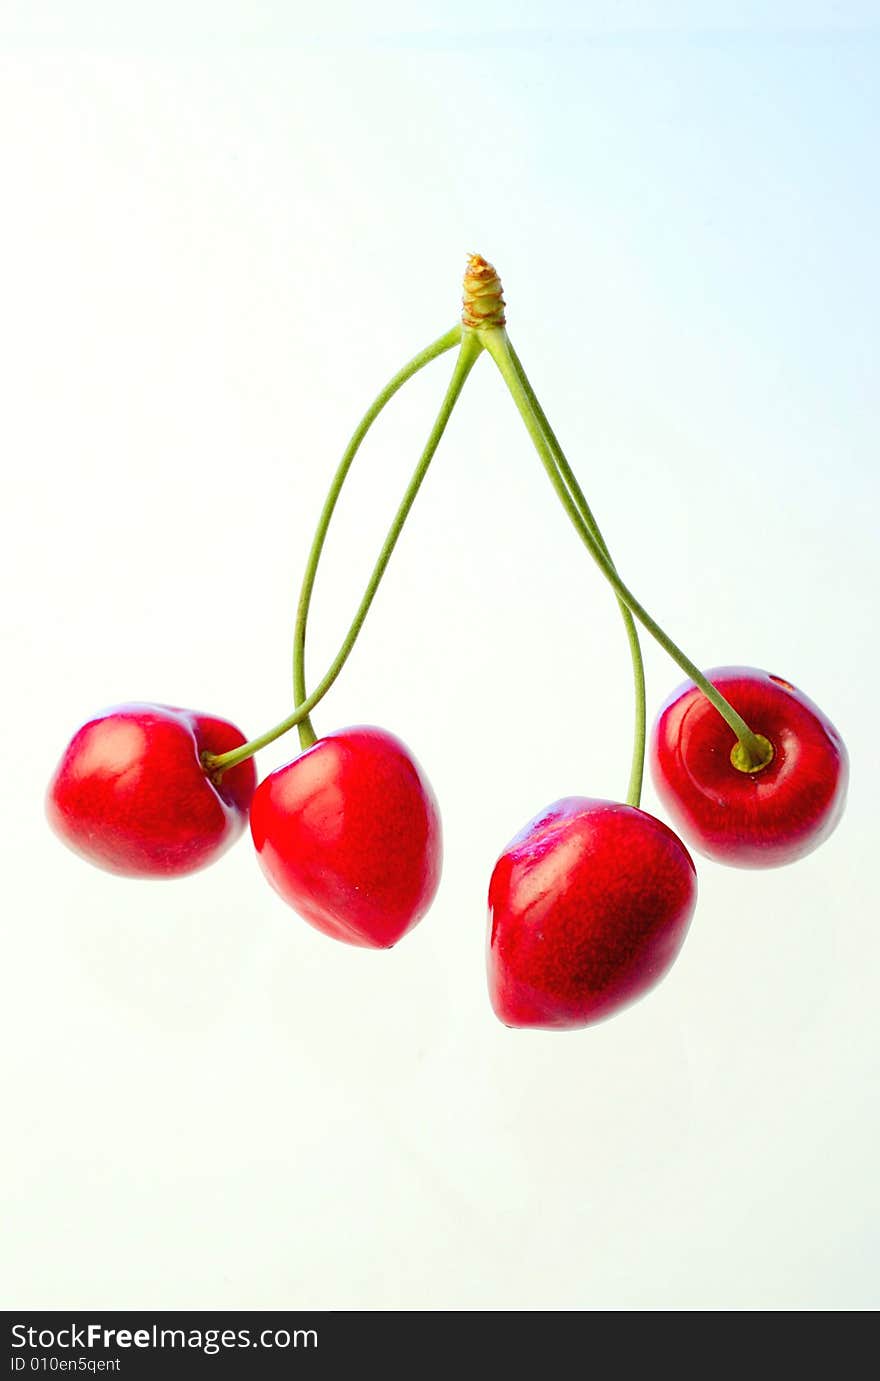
637 769
499 347
467 356
306 733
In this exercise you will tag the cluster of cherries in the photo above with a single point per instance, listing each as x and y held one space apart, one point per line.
590 903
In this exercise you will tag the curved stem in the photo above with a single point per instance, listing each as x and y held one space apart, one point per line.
637 769
498 346
444 343
467 356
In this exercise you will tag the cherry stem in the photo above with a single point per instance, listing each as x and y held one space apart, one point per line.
307 734
637 770
495 340
468 352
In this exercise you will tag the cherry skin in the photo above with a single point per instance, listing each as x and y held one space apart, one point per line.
130 793
749 819
349 835
588 907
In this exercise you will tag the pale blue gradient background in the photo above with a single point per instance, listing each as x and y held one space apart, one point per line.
223 229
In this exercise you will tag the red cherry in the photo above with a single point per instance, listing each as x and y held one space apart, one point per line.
130 793
749 819
349 834
588 907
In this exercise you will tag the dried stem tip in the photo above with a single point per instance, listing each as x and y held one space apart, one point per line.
483 305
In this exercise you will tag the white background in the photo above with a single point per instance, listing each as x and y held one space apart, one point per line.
220 237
